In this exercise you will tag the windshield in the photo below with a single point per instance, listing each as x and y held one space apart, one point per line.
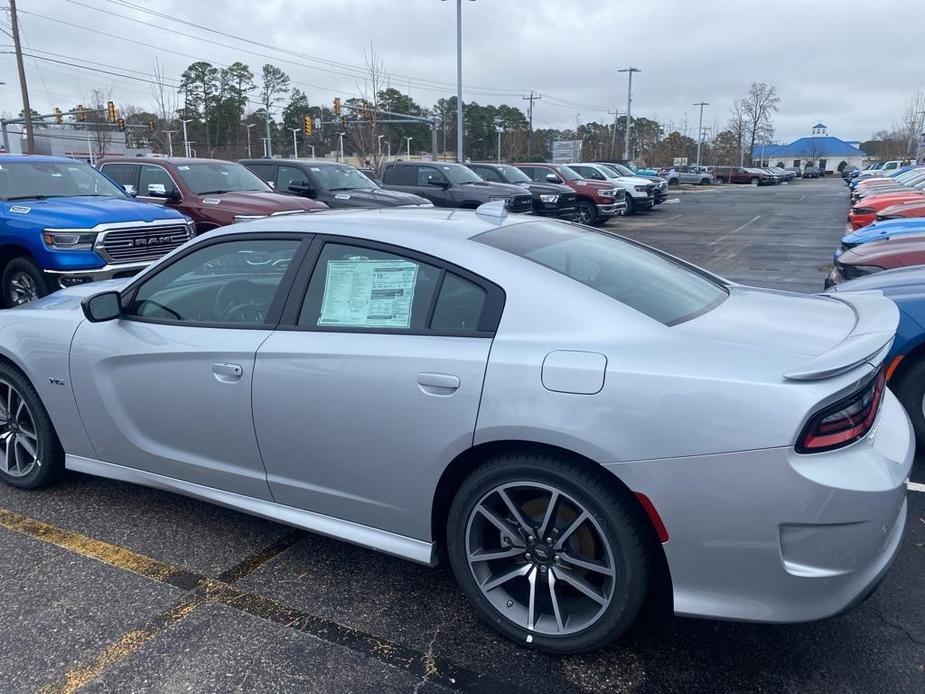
342 178
512 174
219 177
657 286
568 174
21 180
460 174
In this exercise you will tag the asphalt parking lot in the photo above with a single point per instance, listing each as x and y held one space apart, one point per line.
111 587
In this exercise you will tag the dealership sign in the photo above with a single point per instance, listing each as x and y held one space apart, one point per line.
564 151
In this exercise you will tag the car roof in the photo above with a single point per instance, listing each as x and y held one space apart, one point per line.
300 160
161 160
39 159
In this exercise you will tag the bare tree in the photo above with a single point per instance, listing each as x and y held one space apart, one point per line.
96 122
911 128
166 103
365 136
737 127
757 107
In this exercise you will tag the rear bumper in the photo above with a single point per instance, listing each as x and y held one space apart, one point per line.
775 536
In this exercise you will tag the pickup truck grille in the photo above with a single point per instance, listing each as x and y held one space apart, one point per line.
138 244
520 203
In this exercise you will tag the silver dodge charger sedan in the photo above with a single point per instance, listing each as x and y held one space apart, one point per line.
573 418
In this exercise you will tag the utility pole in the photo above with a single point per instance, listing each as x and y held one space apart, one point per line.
629 108
460 157
531 99
186 150
266 120
169 134
340 146
295 142
613 137
701 104
500 130
26 109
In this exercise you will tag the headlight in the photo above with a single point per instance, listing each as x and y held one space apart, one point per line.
69 240
612 193
549 197
640 189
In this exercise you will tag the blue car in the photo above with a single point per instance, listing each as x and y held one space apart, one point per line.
905 363
853 183
881 231
62 222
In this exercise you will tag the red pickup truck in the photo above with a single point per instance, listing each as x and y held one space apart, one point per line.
740 174
596 201
210 191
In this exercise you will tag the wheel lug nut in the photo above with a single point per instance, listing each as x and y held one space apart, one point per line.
548 540
542 569
527 556
530 539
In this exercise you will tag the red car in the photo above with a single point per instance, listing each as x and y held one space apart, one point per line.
865 211
596 202
905 210
211 191
869 258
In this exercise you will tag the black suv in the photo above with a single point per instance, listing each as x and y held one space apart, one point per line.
452 185
337 185
549 199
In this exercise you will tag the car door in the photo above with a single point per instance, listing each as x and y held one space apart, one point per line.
166 388
371 385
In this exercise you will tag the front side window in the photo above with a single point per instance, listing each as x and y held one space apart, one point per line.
287 176
21 180
227 283
155 181
460 174
216 177
489 174
567 173
428 174
648 282
511 174
123 174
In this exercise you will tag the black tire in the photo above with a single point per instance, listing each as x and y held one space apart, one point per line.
704 181
754 181
630 205
50 456
616 515
587 213
720 179
22 276
910 390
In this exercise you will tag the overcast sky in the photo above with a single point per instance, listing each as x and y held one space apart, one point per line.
852 64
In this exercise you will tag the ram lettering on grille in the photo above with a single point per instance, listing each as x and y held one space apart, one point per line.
136 245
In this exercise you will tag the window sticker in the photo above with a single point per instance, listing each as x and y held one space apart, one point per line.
341 196
183 168
19 209
368 293
210 201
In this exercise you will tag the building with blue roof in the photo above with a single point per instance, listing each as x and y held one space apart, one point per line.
820 149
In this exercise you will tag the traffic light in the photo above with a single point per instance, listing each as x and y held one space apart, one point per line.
152 126
81 113
121 124
59 118
307 125
336 105
111 111
343 121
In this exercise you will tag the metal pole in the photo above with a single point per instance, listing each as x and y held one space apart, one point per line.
6 136
701 104
341 144
312 147
295 143
918 138
433 139
248 128
499 145
185 139
629 108
460 157
27 110
169 134
379 144
409 146
613 136
269 144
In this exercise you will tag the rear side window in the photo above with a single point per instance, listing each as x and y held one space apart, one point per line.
642 279
459 305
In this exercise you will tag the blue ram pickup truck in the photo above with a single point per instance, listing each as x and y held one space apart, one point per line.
62 222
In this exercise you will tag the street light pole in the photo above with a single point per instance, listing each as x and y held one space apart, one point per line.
701 104
629 108
248 126
409 147
500 130
340 146
459 102
169 134
186 152
379 144
295 142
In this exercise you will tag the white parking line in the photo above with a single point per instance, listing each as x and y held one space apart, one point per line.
676 216
722 238
915 486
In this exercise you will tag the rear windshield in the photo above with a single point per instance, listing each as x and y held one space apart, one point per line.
651 283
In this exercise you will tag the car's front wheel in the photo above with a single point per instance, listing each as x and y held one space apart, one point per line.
30 454
587 213
754 181
720 179
549 553
23 282
630 205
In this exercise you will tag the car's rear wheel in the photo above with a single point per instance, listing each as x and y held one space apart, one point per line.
704 181
910 389
23 282
754 181
549 554
30 454
720 179
587 213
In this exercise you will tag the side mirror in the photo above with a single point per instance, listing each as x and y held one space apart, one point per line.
438 183
159 190
130 190
102 307
552 178
302 188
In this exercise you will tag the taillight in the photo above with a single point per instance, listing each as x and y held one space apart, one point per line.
844 422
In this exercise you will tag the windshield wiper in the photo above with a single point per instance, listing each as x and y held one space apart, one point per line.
212 192
37 197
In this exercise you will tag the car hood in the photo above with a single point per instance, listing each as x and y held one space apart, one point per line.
377 197
887 229
550 188
800 337
80 212
888 253
886 199
259 202
916 207
633 181
493 188
902 281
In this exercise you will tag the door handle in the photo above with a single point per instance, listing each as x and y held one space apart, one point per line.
438 384
227 372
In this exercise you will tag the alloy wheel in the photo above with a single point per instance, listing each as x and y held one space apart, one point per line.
20 448
540 558
22 289
584 215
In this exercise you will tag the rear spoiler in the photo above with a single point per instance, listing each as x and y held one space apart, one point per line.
876 319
